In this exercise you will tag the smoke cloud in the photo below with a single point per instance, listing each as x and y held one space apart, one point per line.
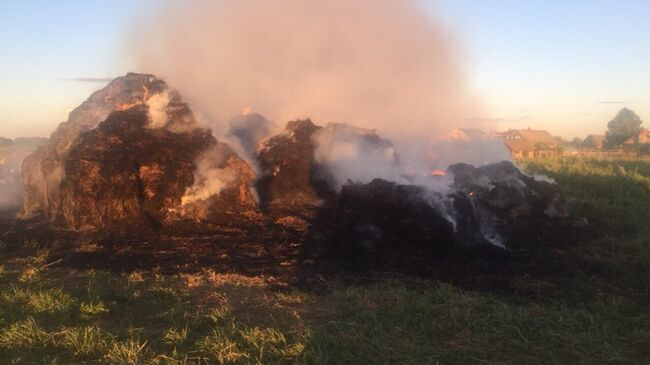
10 186
380 64
473 147
356 154
384 65
12 154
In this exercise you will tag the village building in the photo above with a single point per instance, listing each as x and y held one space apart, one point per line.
523 143
642 137
594 141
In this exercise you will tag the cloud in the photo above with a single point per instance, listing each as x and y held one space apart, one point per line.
87 79
611 102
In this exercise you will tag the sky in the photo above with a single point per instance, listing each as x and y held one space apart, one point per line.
565 66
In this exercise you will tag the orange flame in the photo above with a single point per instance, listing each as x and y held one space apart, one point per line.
138 101
438 173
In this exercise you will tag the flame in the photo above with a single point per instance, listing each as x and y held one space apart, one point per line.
125 106
246 111
138 101
260 146
438 173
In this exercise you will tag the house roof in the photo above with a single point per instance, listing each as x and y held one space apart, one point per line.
594 140
519 145
510 132
635 138
537 136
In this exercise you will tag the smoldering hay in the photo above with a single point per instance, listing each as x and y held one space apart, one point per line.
133 159
132 155
136 153
378 64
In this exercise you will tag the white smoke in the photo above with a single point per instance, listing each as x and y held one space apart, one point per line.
472 147
379 64
12 155
157 110
360 155
355 154
210 177
385 65
10 187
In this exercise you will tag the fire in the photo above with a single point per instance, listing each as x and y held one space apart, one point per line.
438 173
138 101
125 106
246 111
260 146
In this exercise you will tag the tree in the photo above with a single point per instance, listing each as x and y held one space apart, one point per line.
624 125
576 142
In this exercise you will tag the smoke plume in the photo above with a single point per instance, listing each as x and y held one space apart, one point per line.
12 154
211 176
380 64
157 109
384 65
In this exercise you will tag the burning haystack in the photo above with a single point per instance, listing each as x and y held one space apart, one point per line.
132 155
289 180
492 207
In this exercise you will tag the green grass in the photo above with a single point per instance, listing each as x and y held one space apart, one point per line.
614 197
597 313
615 193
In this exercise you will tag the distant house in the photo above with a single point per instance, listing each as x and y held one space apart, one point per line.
520 148
529 142
594 141
642 137
6 142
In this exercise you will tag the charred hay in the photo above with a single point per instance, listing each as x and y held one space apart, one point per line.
109 170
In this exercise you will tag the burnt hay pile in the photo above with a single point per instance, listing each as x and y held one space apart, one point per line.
117 165
132 158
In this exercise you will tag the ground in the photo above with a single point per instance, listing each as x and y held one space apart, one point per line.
580 301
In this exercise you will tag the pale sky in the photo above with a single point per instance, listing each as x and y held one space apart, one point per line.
565 66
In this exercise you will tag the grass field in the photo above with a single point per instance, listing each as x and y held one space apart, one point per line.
597 312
